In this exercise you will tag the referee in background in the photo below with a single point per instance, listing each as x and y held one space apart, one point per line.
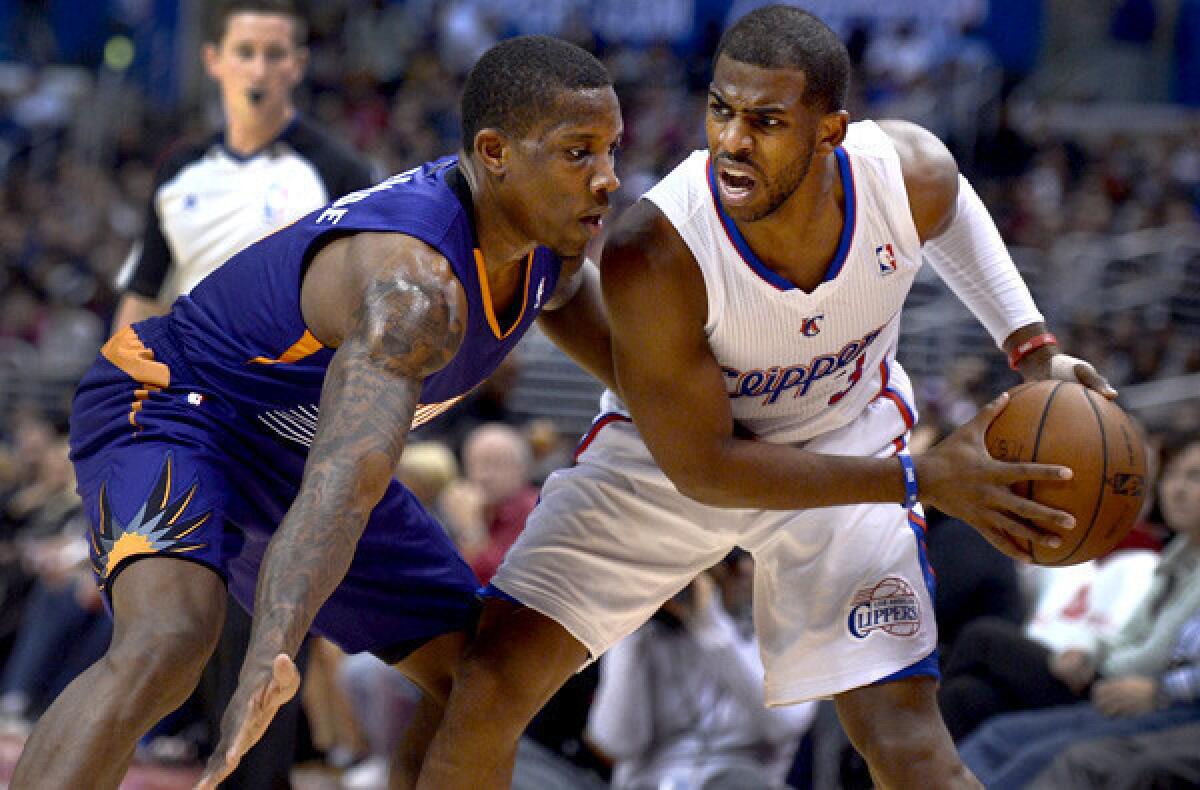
267 167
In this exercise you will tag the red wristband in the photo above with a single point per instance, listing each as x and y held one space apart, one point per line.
1028 346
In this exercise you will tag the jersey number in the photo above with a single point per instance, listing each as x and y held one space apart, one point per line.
854 377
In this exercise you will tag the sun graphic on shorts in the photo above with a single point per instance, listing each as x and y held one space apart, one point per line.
155 528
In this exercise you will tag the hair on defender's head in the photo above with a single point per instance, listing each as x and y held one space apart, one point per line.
519 82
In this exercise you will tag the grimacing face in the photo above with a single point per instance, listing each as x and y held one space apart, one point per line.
761 136
257 63
560 174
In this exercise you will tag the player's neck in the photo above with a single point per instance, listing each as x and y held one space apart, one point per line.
503 244
248 135
798 240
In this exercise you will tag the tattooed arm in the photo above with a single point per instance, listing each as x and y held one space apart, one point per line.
394 310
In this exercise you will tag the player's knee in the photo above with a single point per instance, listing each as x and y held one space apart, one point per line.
493 687
163 657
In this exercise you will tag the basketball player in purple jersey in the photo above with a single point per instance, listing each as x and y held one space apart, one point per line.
754 297
252 432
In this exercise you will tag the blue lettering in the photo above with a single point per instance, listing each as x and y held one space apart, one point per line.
791 377
821 367
849 353
751 383
730 373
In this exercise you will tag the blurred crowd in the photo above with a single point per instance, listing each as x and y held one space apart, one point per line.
1106 219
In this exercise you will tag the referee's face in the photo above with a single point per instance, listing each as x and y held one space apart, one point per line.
256 64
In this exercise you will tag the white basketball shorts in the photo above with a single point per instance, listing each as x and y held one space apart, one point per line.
842 595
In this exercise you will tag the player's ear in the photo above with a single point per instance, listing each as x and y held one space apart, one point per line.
211 60
831 130
491 147
301 60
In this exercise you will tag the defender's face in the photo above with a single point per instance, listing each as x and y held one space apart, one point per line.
256 64
1179 492
560 175
761 136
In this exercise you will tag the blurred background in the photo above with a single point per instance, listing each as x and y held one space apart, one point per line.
1077 120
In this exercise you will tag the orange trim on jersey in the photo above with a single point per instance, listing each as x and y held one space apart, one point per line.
485 291
127 353
190 530
306 346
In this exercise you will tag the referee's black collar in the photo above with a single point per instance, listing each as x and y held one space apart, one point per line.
283 135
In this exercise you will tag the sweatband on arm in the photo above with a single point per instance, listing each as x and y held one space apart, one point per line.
971 258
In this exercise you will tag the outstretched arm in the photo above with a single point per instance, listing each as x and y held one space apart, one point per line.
963 245
405 322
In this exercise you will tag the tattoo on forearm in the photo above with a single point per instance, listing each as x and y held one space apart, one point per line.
402 332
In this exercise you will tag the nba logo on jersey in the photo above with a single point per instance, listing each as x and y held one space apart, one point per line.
890 606
886 257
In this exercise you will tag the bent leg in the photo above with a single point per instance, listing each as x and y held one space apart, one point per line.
167 617
898 730
431 667
518 660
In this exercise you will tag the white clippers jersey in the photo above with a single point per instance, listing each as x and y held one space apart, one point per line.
798 365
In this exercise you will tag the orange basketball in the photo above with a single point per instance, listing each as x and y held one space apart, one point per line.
1062 422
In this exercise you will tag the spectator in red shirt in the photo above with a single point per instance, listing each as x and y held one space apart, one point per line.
486 511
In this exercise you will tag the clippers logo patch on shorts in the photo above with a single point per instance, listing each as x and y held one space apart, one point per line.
156 528
890 606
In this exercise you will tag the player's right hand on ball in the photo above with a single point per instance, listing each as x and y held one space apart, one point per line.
960 478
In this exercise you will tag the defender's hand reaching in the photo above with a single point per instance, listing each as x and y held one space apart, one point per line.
250 711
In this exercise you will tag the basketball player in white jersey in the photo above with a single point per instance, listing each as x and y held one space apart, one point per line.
754 297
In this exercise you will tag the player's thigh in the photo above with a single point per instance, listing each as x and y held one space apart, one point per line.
843 597
608 543
156 499
159 543
431 666
167 611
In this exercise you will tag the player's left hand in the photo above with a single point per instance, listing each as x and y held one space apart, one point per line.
1064 367
1127 696
251 709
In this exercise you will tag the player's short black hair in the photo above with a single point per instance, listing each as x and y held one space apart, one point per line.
219 20
785 37
517 83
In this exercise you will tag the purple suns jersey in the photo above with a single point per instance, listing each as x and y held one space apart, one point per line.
240 332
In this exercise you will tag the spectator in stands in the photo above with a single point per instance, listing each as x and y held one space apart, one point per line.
426 468
680 700
63 628
486 511
1011 750
1121 676
1161 759
997 666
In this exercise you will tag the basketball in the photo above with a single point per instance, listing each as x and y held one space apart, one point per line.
1062 422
